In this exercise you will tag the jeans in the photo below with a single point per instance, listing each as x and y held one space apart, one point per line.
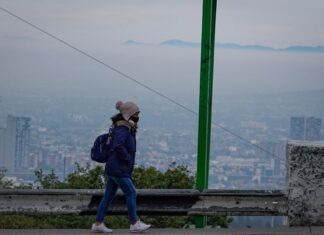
128 188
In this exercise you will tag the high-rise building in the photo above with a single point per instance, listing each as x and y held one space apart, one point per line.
10 142
297 128
305 128
2 146
313 128
14 143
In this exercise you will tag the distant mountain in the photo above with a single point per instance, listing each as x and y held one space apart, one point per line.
132 42
179 43
317 49
243 47
188 44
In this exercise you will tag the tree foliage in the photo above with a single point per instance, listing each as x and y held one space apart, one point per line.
85 177
4 183
82 178
176 177
49 181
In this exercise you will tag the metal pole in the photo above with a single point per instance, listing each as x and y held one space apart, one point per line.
205 98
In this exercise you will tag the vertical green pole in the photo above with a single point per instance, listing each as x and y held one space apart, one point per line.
205 98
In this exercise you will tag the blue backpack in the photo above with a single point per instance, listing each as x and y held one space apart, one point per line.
101 148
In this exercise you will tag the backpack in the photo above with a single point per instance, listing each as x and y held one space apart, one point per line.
101 148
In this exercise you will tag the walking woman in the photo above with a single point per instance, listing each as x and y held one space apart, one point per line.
120 166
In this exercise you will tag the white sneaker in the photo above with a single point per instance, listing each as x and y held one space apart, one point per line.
101 228
139 227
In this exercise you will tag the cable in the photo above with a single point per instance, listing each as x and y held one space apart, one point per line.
128 77
99 61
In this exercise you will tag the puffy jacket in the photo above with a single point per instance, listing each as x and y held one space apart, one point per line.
121 162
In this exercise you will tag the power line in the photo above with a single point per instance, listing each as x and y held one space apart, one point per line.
128 77
98 60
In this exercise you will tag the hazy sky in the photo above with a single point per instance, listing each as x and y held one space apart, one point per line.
31 62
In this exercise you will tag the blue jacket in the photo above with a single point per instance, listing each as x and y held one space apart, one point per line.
122 160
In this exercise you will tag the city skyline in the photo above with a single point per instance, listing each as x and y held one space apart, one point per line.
63 132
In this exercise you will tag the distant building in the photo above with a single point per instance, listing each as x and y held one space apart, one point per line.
313 128
14 144
2 146
305 128
297 128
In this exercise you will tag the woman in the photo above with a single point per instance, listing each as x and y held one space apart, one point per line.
120 165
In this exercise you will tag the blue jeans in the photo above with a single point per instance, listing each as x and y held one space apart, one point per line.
128 188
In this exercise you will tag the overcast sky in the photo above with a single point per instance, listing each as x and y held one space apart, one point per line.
31 62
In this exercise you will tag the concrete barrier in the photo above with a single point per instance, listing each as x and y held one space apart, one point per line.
305 173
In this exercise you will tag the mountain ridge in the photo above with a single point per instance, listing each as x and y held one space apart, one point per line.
236 46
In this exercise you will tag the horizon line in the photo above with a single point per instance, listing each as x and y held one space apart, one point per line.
230 45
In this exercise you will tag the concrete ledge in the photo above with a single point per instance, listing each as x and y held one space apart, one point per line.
305 169
149 201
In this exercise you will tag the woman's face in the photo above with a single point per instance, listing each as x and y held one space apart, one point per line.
135 117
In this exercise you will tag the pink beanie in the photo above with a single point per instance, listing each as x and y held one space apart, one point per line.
127 109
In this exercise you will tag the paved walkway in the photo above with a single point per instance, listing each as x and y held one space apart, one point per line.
245 231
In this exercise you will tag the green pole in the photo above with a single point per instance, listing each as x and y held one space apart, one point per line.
205 98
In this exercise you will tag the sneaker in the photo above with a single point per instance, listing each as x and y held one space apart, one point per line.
101 228
139 227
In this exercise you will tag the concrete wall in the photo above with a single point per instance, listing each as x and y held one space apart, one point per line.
305 169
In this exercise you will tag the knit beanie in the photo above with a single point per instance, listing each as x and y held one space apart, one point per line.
127 109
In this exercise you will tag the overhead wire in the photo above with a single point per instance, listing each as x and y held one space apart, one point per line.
128 77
